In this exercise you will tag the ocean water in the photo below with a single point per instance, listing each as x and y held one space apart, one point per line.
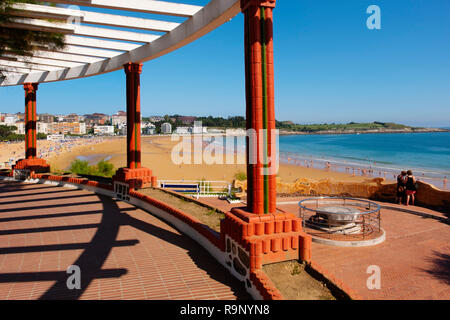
428 154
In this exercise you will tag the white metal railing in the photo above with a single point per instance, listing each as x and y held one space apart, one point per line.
199 188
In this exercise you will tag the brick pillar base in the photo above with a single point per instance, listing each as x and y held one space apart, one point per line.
34 165
257 240
138 178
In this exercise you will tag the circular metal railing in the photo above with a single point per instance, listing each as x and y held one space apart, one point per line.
346 217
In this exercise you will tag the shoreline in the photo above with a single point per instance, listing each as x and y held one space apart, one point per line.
156 155
296 133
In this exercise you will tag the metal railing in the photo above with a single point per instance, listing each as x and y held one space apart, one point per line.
198 188
341 215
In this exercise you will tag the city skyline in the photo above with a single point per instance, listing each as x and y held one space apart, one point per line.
329 67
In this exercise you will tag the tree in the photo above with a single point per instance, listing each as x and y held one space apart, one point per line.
21 42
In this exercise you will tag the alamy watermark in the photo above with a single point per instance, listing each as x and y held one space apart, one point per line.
374 20
74 280
220 149
374 280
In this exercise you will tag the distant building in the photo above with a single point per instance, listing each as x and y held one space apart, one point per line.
59 117
66 127
187 120
20 127
10 119
156 119
198 128
183 130
104 130
20 116
166 128
72 118
46 118
148 128
96 119
119 118
42 127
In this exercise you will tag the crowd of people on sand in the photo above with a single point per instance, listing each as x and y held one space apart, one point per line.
52 148
406 188
369 172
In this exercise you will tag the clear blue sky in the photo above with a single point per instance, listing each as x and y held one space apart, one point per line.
328 68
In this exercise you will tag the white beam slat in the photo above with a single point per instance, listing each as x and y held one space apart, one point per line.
100 43
149 6
44 61
33 67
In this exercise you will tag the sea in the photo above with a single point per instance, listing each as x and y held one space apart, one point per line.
377 155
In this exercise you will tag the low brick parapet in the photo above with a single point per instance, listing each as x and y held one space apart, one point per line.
33 165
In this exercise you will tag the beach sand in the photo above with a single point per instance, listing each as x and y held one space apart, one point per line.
156 155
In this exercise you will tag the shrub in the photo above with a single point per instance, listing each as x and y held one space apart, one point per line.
241 176
80 167
102 169
105 169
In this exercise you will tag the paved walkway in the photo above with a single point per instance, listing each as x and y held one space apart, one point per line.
414 260
123 252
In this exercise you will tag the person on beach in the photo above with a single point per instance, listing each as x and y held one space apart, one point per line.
411 188
401 187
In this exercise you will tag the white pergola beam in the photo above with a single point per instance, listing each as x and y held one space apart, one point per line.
9 65
45 61
148 6
66 57
101 53
127 22
114 34
99 43
204 20
43 25
46 12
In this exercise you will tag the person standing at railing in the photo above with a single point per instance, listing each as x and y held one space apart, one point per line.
401 187
411 188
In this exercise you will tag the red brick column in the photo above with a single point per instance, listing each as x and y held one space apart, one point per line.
30 120
31 162
260 234
134 175
259 74
133 74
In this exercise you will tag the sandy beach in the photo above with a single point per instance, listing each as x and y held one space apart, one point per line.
13 151
156 155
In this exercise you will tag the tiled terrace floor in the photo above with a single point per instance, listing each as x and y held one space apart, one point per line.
123 252
414 260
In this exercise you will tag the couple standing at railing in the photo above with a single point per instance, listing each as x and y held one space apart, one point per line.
406 187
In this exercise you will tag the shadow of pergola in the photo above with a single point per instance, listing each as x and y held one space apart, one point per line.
440 267
96 251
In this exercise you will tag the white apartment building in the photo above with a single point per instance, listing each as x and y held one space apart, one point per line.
183 130
10 120
104 130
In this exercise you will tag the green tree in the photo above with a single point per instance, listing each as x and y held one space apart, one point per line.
21 42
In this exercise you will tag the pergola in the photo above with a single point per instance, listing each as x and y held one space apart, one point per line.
98 42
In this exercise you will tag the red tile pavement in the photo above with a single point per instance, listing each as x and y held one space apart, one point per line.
123 252
414 260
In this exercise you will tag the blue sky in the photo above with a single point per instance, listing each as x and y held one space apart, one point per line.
329 67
